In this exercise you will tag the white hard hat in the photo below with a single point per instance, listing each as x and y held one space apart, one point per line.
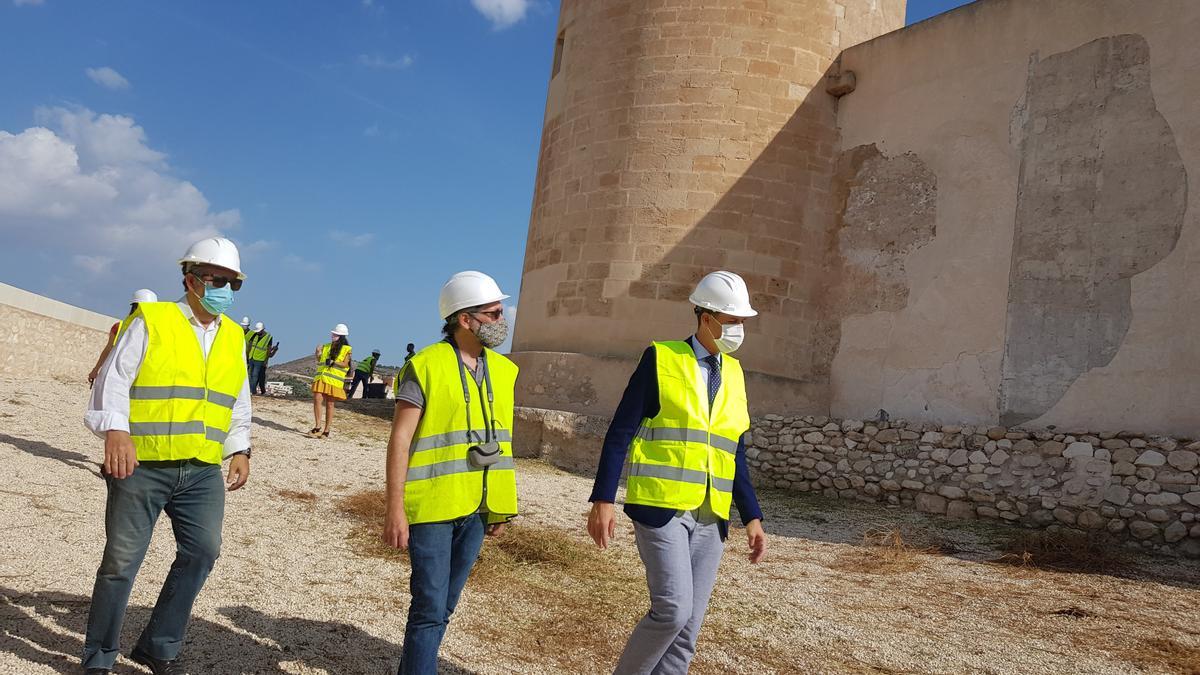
217 251
468 289
144 295
258 326
245 321
340 329
723 292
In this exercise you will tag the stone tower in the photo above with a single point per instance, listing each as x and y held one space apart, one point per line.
681 137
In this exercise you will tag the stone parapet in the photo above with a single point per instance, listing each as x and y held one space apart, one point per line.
1142 489
42 338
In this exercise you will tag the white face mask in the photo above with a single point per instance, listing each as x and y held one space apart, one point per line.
732 335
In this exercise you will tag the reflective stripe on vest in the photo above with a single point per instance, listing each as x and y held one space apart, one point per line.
442 485
181 404
333 375
686 451
259 345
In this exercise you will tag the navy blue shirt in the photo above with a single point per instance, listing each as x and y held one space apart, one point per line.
640 402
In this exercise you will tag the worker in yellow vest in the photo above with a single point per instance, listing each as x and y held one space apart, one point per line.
139 296
169 414
450 471
681 423
329 385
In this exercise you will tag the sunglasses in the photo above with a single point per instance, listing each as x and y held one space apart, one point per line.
219 281
494 315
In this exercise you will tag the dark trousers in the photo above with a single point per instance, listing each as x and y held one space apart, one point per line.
359 376
193 496
258 377
441 556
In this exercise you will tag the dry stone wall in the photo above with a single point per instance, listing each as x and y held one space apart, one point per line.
1144 490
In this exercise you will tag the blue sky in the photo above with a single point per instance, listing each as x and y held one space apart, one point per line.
359 151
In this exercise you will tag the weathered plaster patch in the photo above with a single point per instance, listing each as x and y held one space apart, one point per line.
1101 197
888 210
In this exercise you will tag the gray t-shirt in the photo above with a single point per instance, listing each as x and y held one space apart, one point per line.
409 389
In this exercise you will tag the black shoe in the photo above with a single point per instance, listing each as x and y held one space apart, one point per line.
157 666
97 671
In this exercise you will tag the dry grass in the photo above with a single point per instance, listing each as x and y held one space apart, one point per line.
1065 551
884 551
298 495
1164 655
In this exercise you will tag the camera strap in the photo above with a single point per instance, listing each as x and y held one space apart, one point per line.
489 418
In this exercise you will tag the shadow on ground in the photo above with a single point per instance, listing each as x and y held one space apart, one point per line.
41 449
46 629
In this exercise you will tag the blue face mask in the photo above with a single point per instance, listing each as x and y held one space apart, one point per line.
217 300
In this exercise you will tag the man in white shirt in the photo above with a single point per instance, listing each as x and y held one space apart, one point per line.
169 415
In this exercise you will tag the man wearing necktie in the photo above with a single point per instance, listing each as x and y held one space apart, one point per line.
681 423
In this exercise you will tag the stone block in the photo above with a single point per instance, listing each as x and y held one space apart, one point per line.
1174 532
1184 460
928 503
1142 529
1151 458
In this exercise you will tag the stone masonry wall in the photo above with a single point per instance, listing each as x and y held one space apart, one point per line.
42 338
1144 490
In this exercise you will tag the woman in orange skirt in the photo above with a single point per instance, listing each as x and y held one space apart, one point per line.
333 361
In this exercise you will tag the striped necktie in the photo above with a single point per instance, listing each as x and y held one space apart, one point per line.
714 377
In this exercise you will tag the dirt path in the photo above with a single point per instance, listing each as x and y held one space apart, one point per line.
300 587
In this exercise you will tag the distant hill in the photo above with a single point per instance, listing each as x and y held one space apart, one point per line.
307 368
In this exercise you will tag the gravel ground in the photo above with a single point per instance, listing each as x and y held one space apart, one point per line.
296 591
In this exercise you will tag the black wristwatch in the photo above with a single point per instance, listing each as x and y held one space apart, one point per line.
245 452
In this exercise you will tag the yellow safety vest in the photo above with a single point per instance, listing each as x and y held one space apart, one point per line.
181 404
685 452
442 484
334 375
258 345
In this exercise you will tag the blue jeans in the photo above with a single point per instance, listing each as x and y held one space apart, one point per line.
193 495
441 555
258 377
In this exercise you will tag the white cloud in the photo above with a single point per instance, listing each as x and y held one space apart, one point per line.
377 61
503 13
371 131
352 240
299 264
108 78
18 3
88 188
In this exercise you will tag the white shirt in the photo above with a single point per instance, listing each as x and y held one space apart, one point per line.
108 408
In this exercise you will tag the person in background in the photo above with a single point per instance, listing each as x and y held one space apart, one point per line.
329 385
451 477
400 373
364 372
682 422
171 403
245 324
139 296
260 347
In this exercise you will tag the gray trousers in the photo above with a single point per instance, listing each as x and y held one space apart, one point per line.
681 560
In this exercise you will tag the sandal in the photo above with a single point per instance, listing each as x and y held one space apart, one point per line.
314 432
325 435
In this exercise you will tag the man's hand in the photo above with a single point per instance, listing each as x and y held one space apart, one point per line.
120 457
395 528
602 524
495 529
757 540
93 375
239 471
